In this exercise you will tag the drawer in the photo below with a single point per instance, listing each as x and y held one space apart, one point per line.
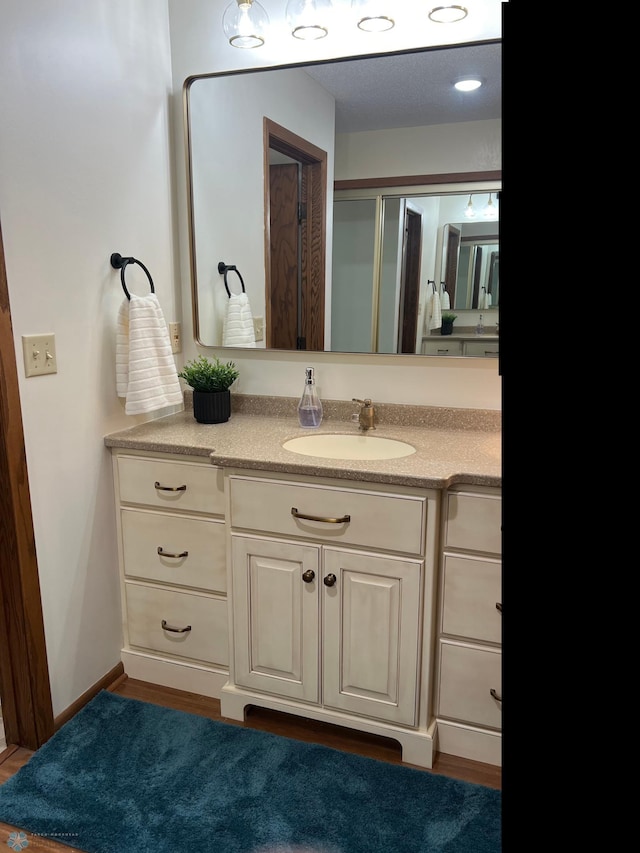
206 641
200 544
467 675
181 486
482 349
474 522
472 589
441 346
376 519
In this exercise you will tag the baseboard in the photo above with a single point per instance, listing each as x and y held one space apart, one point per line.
113 677
190 677
469 742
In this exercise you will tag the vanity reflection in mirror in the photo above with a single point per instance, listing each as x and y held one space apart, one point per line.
333 253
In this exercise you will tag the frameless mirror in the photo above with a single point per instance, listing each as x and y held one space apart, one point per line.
337 265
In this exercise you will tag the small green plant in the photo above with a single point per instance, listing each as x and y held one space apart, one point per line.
204 374
448 318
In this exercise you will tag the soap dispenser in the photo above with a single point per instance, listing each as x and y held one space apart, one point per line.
310 407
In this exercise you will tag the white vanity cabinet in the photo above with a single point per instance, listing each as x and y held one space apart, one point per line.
172 543
469 661
333 603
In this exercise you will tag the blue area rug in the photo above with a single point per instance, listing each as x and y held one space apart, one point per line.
128 775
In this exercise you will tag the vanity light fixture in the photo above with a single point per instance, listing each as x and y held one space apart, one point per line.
448 14
467 84
371 15
469 212
308 19
490 211
245 23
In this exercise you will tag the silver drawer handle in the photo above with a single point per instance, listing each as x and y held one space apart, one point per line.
496 696
167 627
170 488
167 554
343 520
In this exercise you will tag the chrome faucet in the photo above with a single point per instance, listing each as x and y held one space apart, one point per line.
366 415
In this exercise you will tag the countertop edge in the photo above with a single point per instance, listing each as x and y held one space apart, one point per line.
443 458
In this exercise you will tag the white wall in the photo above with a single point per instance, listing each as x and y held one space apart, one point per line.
198 47
84 172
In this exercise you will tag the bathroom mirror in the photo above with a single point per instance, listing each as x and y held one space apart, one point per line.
295 121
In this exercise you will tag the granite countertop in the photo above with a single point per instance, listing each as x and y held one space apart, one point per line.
452 445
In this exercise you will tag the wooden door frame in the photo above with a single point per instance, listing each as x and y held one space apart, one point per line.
25 689
314 161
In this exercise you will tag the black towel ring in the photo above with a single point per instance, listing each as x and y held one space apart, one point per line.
120 263
223 269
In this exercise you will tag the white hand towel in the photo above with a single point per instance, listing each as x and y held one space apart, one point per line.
237 329
146 373
446 302
436 313
428 310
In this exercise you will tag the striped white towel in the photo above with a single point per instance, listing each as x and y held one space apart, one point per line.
436 313
238 329
146 373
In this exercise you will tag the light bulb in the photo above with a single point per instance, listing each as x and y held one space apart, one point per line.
245 23
490 211
469 212
468 84
448 14
372 17
309 19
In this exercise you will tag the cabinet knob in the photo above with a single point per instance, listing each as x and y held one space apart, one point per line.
329 580
308 576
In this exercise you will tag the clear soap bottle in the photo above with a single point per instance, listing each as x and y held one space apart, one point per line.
310 407
480 327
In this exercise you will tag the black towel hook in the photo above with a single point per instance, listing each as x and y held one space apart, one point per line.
120 263
223 269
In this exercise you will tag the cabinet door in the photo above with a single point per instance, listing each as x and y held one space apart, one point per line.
371 635
275 616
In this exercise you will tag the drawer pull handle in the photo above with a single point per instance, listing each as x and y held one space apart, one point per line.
495 695
308 576
329 580
167 627
499 606
170 488
167 554
343 520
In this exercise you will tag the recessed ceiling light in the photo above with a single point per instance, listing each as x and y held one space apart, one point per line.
468 84
448 14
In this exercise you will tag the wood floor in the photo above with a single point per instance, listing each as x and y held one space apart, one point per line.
259 718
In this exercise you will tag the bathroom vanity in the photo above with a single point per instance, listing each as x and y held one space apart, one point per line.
364 593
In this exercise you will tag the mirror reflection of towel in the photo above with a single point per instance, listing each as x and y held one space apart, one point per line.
436 311
446 302
238 329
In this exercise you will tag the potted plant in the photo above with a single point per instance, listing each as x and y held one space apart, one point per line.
447 323
211 380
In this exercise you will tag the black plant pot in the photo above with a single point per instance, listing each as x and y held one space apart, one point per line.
446 328
212 407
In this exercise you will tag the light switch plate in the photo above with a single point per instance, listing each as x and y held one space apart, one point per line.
39 354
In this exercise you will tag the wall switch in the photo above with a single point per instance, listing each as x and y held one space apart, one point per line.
39 354
258 327
175 333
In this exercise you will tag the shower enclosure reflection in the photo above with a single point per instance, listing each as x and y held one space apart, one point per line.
386 250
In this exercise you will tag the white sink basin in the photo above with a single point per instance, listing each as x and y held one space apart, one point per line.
351 446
